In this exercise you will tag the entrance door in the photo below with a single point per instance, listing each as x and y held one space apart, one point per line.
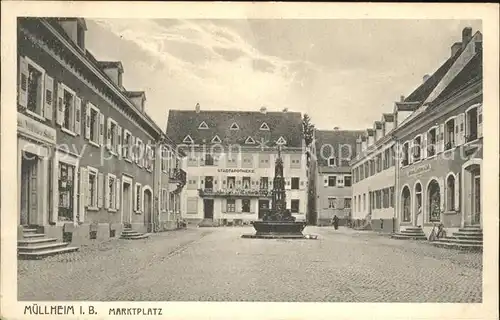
476 198
29 190
208 208
126 206
263 207
147 210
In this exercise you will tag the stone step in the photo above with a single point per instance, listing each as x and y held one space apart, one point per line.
34 242
141 236
467 241
420 232
467 236
42 247
45 253
129 231
401 236
131 234
459 246
468 233
33 235
413 229
29 230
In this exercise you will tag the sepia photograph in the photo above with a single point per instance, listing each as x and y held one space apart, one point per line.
246 160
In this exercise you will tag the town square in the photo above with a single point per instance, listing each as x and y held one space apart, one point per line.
271 160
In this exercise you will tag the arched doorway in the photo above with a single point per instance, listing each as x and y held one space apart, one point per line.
434 201
406 204
148 209
472 193
419 214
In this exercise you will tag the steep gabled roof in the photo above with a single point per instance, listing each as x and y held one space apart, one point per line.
286 124
335 138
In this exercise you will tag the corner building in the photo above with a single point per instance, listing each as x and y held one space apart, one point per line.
230 159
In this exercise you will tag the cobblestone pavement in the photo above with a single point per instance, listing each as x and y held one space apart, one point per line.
215 264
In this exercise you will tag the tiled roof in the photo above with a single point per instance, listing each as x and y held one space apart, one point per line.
473 70
281 124
335 138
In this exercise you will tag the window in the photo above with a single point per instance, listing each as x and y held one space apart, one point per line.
332 181
391 197
450 193
295 163
203 125
164 199
92 187
281 141
434 201
387 153
417 142
94 124
295 183
231 205
264 160
231 161
139 152
209 183
449 138
216 139
347 181
406 199
364 201
264 126
347 203
264 183
431 142
68 100
471 126
149 157
188 139
249 140
231 182
66 187
164 159
405 161
209 159
138 198
332 203
246 182
331 162
35 89
245 205
234 126
112 135
294 206
111 192
385 198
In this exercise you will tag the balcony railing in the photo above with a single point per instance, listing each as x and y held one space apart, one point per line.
238 192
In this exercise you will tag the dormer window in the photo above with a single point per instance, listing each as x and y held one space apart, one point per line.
264 126
331 162
203 125
188 139
234 126
216 139
249 140
281 141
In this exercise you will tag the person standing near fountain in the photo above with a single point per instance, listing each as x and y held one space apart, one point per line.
335 222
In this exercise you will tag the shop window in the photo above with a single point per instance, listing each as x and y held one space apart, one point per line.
434 201
294 206
450 193
66 188
245 205
406 199
231 205
449 137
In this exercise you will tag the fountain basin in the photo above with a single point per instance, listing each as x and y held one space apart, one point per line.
277 230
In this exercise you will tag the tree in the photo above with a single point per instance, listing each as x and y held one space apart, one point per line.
307 129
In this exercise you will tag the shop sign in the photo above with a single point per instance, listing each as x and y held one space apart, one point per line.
236 170
35 129
418 170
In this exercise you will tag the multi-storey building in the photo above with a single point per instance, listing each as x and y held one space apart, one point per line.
439 175
230 162
330 175
86 147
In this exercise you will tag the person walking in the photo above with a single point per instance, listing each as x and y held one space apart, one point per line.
335 222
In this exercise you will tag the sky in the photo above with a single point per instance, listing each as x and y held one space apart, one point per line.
343 73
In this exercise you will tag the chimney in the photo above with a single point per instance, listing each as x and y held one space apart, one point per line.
285 110
466 36
426 77
75 28
455 48
138 98
114 70
402 98
336 128
263 110
197 108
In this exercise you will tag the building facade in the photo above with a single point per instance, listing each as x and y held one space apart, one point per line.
86 147
230 159
330 175
439 175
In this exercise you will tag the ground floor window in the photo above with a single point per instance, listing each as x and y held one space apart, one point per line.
231 205
66 175
347 203
450 193
294 206
92 187
245 205
434 201
111 192
137 198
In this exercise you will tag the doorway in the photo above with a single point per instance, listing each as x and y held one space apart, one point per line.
263 207
29 189
208 208
476 197
127 202
419 217
147 209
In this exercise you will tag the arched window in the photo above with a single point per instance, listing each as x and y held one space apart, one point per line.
434 201
406 204
450 193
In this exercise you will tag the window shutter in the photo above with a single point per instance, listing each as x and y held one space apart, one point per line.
23 82
84 182
410 152
119 140
87 121
326 182
461 121
141 197
224 205
49 97
457 192
78 115
106 192
441 138
100 189
101 129
288 185
480 121
60 105
441 193
456 131
108 133
135 198
131 149
118 194
423 148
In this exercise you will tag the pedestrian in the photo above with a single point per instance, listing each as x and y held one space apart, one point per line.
335 222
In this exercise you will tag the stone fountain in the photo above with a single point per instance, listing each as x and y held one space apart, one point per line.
278 222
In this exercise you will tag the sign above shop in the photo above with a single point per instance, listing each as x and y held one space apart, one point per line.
236 170
35 130
418 170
